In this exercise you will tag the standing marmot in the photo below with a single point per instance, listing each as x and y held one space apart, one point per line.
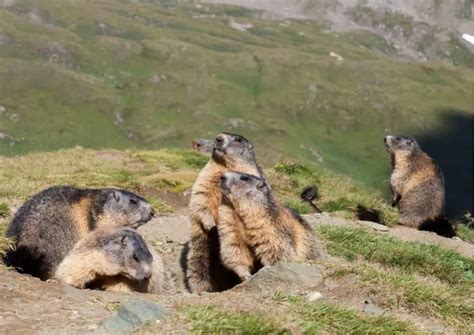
47 226
204 269
114 259
417 185
269 233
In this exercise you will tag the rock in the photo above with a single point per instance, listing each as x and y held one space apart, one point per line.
372 225
313 296
371 308
335 55
240 26
285 277
133 314
173 228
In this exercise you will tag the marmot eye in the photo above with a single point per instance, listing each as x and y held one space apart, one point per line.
244 178
135 257
398 138
238 140
133 201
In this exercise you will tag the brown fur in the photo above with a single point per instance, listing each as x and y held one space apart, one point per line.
267 232
89 266
417 182
47 226
203 258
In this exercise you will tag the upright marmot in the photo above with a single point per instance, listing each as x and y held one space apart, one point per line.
204 268
417 185
268 232
47 226
114 259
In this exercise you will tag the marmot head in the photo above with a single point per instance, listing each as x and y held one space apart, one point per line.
127 250
401 144
202 145
126 208
231 149
246 192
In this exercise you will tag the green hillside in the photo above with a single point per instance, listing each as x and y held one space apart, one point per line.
132 74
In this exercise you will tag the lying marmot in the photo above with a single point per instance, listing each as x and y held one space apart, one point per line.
417 185
268 233
204 268
47 226
113 259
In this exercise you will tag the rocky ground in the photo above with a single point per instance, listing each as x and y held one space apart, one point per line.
29 305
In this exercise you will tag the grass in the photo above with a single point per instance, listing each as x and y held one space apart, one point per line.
339 194
139 171
294 100
323 317
407 257
213 320
451 304
310 318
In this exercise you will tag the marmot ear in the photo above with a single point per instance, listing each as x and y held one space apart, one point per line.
261 185
124 241
116 195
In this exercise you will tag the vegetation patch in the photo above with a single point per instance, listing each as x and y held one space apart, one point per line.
410 257
339 194
213 320
323 317
451 304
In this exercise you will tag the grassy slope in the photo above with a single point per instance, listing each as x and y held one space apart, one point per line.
70 67
427 281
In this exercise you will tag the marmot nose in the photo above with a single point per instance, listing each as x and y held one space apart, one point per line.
385 139
223 178
219 138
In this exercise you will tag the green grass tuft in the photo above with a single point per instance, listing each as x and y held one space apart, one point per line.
409 257
338 193
452 304
4 210
323 317
213 320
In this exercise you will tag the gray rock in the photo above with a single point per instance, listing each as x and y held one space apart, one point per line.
372 225
285 277
371 308
133 314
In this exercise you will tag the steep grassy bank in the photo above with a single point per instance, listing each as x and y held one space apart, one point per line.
123 74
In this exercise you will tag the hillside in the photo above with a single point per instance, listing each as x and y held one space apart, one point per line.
370 278
150 74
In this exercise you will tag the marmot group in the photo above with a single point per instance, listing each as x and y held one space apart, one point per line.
114 259
417 185
47 226
204 269
268 233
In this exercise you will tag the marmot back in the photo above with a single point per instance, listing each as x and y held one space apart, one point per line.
47 226
417 183
204 269
271 232
114 259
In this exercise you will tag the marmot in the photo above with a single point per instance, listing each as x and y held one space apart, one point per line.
417 184
203 146
47 226
113 259
204 269
270 233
